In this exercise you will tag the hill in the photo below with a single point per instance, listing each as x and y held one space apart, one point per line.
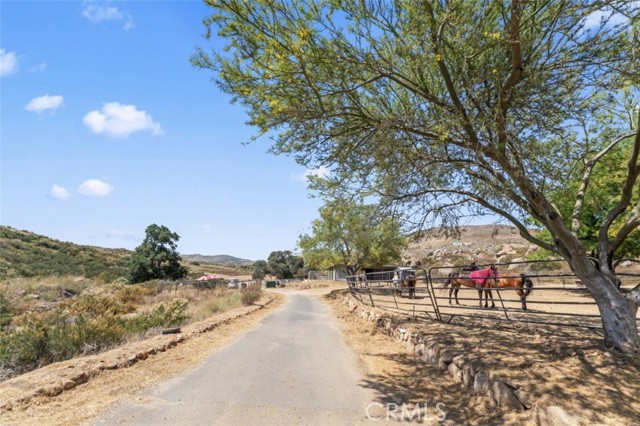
220 259
481 244
25 254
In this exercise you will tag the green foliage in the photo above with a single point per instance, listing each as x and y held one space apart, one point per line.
260 269
284 264
25 254
353 235
5 311
250 296
602 194
157 257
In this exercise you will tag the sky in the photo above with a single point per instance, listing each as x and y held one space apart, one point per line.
106 128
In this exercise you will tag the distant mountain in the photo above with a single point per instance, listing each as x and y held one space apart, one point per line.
220 259
25 254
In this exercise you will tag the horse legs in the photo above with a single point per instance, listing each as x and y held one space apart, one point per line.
523 299
488 294
480 297
456 294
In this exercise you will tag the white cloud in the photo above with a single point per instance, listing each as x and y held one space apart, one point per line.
101 12
612 15
321 171
95 187
128 25
59 193
96 13
44 102
119 121
8 62
39 68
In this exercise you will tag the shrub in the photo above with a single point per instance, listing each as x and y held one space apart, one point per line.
5 311
250 296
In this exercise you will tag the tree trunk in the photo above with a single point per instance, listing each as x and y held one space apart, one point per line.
618 313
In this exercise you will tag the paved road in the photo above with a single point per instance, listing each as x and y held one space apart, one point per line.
293 369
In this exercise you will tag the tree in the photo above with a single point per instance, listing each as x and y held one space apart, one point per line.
449 109
284 264
156 257
260 269
352 235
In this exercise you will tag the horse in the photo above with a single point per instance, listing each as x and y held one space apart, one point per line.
522 284
409 282
479 279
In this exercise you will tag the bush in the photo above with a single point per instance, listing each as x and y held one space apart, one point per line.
5 311
250 296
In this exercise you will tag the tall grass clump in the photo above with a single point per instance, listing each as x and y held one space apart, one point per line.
250 296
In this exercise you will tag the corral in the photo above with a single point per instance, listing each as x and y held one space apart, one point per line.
557 299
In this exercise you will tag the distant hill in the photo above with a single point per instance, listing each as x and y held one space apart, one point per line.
220 259
25 254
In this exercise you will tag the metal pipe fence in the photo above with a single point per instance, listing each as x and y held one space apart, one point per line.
557 297
200 285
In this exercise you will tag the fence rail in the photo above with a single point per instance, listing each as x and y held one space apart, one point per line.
206 285
557 298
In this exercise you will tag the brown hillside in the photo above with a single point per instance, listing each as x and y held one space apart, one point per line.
480 244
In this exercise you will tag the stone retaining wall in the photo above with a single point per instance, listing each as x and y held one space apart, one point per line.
464 368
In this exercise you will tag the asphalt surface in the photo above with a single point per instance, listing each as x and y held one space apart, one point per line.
294 369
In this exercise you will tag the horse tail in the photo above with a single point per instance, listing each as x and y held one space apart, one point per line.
449 279
527 284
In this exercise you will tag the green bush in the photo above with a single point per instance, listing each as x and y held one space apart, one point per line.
5 311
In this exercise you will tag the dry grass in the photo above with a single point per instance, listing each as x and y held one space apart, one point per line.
572 370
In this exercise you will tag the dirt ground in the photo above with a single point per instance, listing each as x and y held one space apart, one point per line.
568 368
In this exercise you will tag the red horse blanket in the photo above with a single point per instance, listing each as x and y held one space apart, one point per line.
481 277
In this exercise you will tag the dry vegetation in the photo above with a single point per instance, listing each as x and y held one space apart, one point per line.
52 319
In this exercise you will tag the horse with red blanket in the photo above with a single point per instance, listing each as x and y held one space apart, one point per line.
482 280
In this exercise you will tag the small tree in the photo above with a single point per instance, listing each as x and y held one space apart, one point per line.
156 257
352 235
284 264
260 269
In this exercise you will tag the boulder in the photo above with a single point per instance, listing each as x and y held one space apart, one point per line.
504 397
481 382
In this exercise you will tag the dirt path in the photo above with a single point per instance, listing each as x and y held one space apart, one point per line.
292 369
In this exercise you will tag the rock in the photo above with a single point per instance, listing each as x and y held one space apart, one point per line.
68 384
481 382
459 360
53 390
455 372
444 359
419 349
524 398
468 373
504 397
432 353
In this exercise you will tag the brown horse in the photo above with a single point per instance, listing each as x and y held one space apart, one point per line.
521 283
481 280
409 282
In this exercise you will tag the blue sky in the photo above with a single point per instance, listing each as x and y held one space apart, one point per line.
106 128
